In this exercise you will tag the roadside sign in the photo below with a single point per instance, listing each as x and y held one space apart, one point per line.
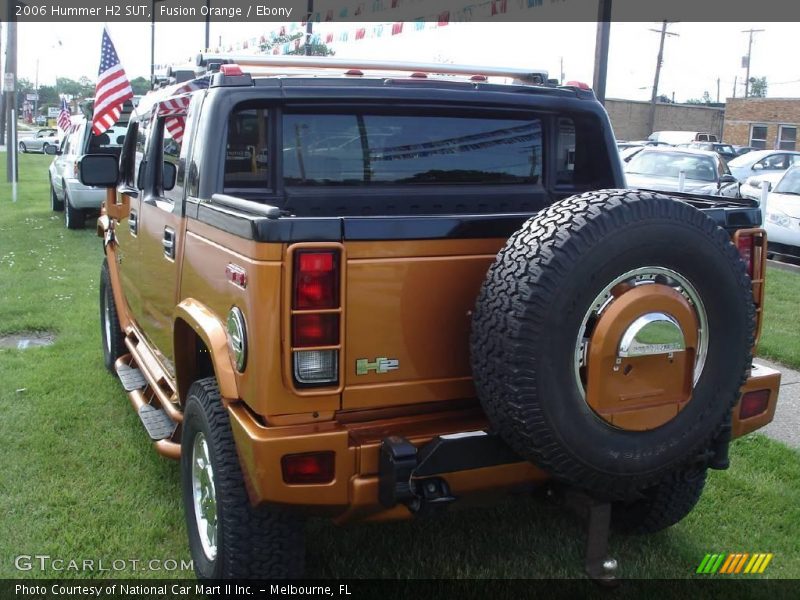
32 97
52 112
8 82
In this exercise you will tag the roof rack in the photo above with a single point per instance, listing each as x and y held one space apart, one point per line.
529 76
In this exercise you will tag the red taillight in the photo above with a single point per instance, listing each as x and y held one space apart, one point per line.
309 331
314 467
316 280
230 70
753 403
745 243
578 84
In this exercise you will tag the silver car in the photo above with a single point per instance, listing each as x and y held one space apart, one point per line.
40 141
761 162
681 169
67 193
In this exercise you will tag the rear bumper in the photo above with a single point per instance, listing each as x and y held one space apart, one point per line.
359 490
81 196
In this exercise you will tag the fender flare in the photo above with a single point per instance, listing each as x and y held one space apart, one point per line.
211 330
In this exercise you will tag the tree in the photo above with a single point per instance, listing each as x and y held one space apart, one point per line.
295 48
758 87
140 86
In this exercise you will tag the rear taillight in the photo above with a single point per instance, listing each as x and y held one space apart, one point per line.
316 280
745 243
753 403
316 319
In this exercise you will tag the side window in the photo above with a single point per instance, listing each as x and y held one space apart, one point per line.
140 152
127 161
247 149
171 131
65 144
576 162
565 151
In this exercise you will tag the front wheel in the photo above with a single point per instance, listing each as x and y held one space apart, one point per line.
228 537
22 148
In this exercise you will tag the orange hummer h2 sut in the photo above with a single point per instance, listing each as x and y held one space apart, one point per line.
368 291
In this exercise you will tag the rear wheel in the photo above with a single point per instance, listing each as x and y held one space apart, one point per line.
45 146
661 506
611 338
73 217
228 537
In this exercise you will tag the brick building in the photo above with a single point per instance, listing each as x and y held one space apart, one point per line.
769 123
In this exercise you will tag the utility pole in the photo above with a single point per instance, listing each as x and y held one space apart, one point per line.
309 27
654 96
561 72
10 77
735 79
717 90
2 96
208 24
601 49
747 58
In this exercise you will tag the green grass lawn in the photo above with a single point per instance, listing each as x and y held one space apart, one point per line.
81 481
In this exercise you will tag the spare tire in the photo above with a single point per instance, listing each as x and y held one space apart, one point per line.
611 337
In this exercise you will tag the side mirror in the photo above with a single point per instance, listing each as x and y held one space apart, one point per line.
51 150
169 176
727 178
100 170
758 167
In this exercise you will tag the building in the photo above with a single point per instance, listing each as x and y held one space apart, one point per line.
631 118
769 123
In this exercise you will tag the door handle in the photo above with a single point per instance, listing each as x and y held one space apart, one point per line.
133 222
168 241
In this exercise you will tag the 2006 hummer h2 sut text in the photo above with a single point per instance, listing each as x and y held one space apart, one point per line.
365 291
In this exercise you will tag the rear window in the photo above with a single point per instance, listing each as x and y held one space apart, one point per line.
373 149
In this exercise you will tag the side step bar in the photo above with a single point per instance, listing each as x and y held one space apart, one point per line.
157 422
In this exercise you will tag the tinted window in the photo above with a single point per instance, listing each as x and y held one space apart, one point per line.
171 145
364 149
246 154
128 158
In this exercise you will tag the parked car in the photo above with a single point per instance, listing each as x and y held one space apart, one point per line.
743 149
681 137
759 162
726 151
436 294
660 168
751 188
67 193
40 141
626 154
783 215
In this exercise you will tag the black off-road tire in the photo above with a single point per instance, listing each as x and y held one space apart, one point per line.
662 506
111 334
261 542
56 205
74 218
529 312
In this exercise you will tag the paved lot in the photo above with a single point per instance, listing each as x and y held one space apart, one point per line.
786 425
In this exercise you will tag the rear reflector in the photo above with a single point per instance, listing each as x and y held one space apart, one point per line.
745 244
313 330
314 467
753 403
316 366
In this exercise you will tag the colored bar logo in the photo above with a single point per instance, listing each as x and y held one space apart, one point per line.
734 564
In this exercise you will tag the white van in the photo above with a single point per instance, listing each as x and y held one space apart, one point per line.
682 137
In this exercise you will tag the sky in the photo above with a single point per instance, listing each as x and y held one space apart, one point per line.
701 53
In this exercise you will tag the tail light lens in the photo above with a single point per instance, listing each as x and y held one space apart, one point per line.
316 280
310 330
745 243
316 306
753 403
314 467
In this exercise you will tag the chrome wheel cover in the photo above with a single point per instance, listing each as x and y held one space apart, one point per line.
635 278
204 497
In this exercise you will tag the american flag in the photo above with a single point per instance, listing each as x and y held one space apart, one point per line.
112 90
175 107
64 117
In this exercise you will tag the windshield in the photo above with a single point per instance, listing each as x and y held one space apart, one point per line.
725 149
790 184
670 164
